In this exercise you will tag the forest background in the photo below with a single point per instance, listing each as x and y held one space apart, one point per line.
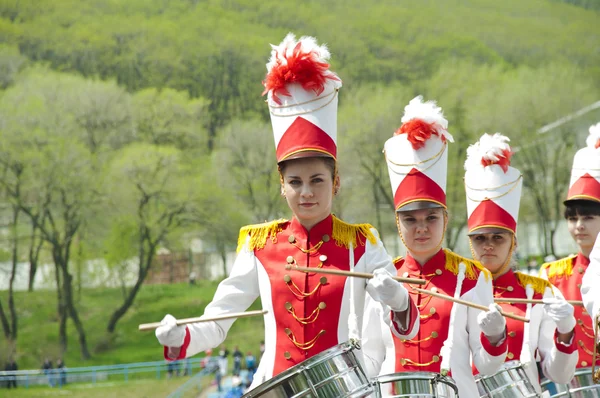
126 126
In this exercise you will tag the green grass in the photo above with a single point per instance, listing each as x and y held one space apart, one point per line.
134 389
38 326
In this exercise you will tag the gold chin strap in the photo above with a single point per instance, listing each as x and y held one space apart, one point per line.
439 245
595 372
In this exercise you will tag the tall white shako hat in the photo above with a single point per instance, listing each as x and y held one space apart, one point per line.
492 185
417 157
585 174
302 98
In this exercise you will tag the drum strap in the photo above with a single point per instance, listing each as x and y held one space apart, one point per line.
447 347
353 333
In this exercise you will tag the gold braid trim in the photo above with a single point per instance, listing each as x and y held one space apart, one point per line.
453 260
259 233
344 233
561 267
539 285
397 260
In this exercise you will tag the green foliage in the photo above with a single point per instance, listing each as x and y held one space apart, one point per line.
128 344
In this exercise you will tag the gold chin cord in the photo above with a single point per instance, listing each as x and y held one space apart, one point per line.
596 372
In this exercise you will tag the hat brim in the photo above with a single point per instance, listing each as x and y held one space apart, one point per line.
419 205
489 230
575 200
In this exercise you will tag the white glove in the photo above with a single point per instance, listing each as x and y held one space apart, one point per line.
491 322
561 313
168 333
388 291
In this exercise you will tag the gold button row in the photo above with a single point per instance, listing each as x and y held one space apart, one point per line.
512 334
510 355
292 238
584 363
322 305
290 259
288 279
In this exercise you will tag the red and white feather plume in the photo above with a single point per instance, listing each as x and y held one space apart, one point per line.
303 62
489 150
421 120
593 140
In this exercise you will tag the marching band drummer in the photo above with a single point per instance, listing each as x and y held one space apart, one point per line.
449 333
582 212
307 313
493 191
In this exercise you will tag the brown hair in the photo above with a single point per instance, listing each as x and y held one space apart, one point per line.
330 163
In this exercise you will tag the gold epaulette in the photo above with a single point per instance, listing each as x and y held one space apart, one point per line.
562 267
453 260
397 260
259 233
539 285
344 233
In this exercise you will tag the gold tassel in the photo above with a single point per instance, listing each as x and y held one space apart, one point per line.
344 233
561 267
259 233
539 285
453 260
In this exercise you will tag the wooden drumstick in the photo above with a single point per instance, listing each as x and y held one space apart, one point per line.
154 325
532 301
354 274
469 304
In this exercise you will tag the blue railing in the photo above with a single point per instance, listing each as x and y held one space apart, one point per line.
95 374
194 382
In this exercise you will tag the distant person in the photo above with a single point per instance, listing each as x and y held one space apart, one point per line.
237 389
192 278
250 363
237 361
62 373
262 348
532 267
47 368
11 366
224 360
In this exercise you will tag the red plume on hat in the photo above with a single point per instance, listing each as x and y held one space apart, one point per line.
303 62
489 150
422 120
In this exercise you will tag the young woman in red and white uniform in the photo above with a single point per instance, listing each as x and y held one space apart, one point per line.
450 334
578 276
307 313
493 189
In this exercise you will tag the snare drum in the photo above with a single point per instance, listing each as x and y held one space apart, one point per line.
509 382
415 385
581 386
332 373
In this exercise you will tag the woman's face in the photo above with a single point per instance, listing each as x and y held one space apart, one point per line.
584 230
422 230
492 250
308 187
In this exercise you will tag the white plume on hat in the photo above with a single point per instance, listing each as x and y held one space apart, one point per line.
593 139
308 44
490 149
429 112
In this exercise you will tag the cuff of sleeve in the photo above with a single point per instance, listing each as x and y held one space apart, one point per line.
565 348
495 351
410 319
184 347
